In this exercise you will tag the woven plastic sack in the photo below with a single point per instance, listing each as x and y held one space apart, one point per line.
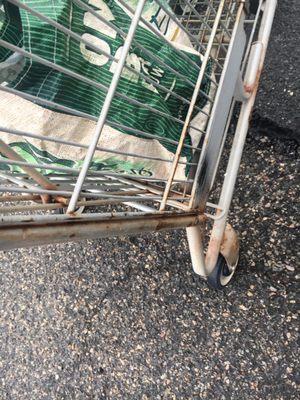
21 28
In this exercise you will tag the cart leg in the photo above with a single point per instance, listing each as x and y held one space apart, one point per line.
195 241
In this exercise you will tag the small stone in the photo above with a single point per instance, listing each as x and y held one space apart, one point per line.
290 268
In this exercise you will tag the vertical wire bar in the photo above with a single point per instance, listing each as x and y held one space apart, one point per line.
106 106
191 107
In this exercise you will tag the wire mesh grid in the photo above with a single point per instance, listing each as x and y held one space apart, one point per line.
36 186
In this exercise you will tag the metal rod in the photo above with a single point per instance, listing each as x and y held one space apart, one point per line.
124 198
72 111
74 171
61 229
9 198
106 106
83 146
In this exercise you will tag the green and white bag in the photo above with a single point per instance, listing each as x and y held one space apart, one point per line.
21 28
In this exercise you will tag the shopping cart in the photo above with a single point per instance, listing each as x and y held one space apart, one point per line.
46 202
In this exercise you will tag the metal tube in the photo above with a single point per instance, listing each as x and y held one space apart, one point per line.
84 146
106 106
72 111
58 230
195 241
74 171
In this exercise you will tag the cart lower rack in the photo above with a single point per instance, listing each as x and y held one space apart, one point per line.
114 116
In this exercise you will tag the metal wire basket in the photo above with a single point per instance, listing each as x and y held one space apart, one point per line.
217 65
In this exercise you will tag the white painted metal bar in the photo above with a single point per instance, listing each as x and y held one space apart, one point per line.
72 111
82 146
106 106
74 171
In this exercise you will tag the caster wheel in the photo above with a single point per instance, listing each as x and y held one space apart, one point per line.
253 6
221 274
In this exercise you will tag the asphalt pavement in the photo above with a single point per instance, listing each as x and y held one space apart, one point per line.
127 318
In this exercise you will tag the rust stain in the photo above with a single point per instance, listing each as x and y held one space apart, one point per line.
62 200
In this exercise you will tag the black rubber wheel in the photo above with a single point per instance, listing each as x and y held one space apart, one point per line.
253 6
221 274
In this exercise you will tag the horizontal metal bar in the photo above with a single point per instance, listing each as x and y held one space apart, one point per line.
27 232
72 111
9 198
75 171
79 38
145 197
91 82
83 146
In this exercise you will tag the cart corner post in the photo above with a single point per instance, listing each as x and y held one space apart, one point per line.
224 241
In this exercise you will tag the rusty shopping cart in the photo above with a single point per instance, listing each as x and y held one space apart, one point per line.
114 116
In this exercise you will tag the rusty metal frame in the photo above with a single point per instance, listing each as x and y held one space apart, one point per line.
187 211
58 228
